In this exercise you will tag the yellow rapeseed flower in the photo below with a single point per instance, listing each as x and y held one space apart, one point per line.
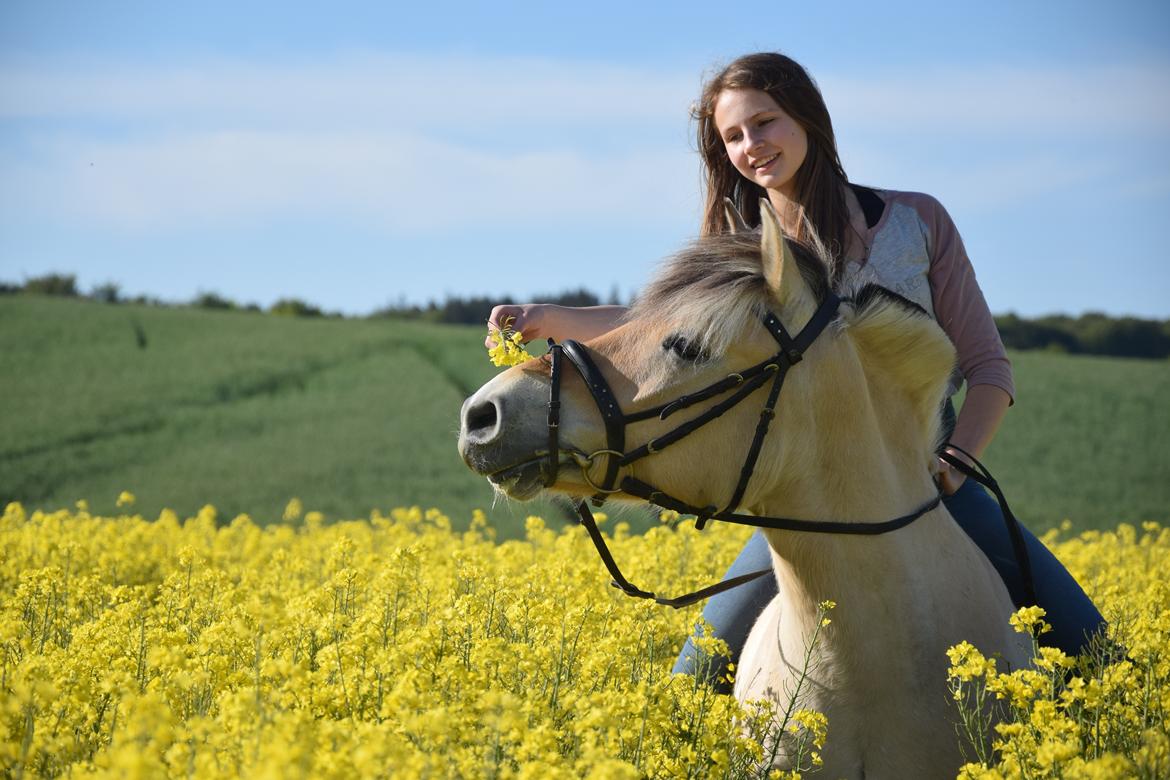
184 647
1029 620
293 510
509 349
1102 715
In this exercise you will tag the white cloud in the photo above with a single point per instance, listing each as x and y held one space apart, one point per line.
428 90
392 140
355 90
1000 99
400 181
1014 178
412 143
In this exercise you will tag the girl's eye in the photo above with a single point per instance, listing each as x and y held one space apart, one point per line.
765 121
684 349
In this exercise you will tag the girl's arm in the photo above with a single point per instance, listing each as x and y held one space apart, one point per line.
963 313
983 410
959 305
547 320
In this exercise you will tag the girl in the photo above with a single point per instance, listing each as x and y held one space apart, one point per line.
764 131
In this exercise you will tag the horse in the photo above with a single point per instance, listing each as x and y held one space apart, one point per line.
857 426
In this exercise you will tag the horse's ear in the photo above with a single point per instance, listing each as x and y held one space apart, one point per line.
780 270
735 220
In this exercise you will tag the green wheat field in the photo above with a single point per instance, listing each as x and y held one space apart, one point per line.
185 407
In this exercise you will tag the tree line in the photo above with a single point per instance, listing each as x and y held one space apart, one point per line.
65 286
1092 333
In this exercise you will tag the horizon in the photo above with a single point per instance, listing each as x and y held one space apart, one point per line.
366 156
129 297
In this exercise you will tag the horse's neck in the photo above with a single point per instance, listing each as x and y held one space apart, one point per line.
858 454
886 589
866 477
876 476
814 567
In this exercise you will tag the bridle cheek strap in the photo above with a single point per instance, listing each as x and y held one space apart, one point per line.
606 402
552 465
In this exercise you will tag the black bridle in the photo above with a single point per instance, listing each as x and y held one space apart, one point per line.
740 385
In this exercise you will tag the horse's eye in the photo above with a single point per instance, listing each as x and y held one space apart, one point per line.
686 350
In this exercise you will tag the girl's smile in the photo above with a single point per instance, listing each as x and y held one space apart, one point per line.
765 166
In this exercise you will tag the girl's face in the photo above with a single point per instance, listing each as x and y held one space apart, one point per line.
765 144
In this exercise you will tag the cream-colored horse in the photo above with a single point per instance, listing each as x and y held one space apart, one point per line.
853 440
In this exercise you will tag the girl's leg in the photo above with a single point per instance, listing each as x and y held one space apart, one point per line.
1074 618
732 613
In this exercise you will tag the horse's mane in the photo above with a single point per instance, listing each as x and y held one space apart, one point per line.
714 288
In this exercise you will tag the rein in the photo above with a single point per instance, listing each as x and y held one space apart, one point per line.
741 385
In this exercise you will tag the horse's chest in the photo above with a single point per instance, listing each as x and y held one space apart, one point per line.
888 717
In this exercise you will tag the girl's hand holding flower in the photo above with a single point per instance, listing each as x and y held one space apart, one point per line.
509 344
519 318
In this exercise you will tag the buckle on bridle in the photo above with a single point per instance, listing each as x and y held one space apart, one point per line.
585 463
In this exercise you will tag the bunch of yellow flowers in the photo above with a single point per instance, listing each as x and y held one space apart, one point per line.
509 349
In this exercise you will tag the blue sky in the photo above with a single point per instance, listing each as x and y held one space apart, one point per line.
361 154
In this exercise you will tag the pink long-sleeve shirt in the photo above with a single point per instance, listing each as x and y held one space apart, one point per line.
916 251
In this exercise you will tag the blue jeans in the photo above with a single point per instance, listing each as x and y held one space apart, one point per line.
1073 616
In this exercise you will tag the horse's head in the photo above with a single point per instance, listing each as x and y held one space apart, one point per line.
870 384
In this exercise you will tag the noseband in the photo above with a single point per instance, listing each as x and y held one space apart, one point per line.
740 385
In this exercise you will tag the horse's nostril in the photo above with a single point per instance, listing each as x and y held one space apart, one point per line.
481 419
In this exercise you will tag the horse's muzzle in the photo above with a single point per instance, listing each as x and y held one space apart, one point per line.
499 442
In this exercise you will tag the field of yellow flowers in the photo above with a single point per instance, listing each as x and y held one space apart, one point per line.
394 646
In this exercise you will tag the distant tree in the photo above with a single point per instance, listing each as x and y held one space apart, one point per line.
1124 337
294 307
1093 333
212 300
1019 333
581 297
52 284
468 311
109 292
399 311
7 288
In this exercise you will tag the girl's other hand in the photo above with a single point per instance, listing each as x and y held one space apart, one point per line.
948 478
522 318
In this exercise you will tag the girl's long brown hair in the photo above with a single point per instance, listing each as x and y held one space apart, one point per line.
820 180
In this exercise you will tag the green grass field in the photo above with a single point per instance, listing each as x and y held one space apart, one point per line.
245 410
1086 441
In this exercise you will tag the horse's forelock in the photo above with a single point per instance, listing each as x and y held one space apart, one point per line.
713 289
